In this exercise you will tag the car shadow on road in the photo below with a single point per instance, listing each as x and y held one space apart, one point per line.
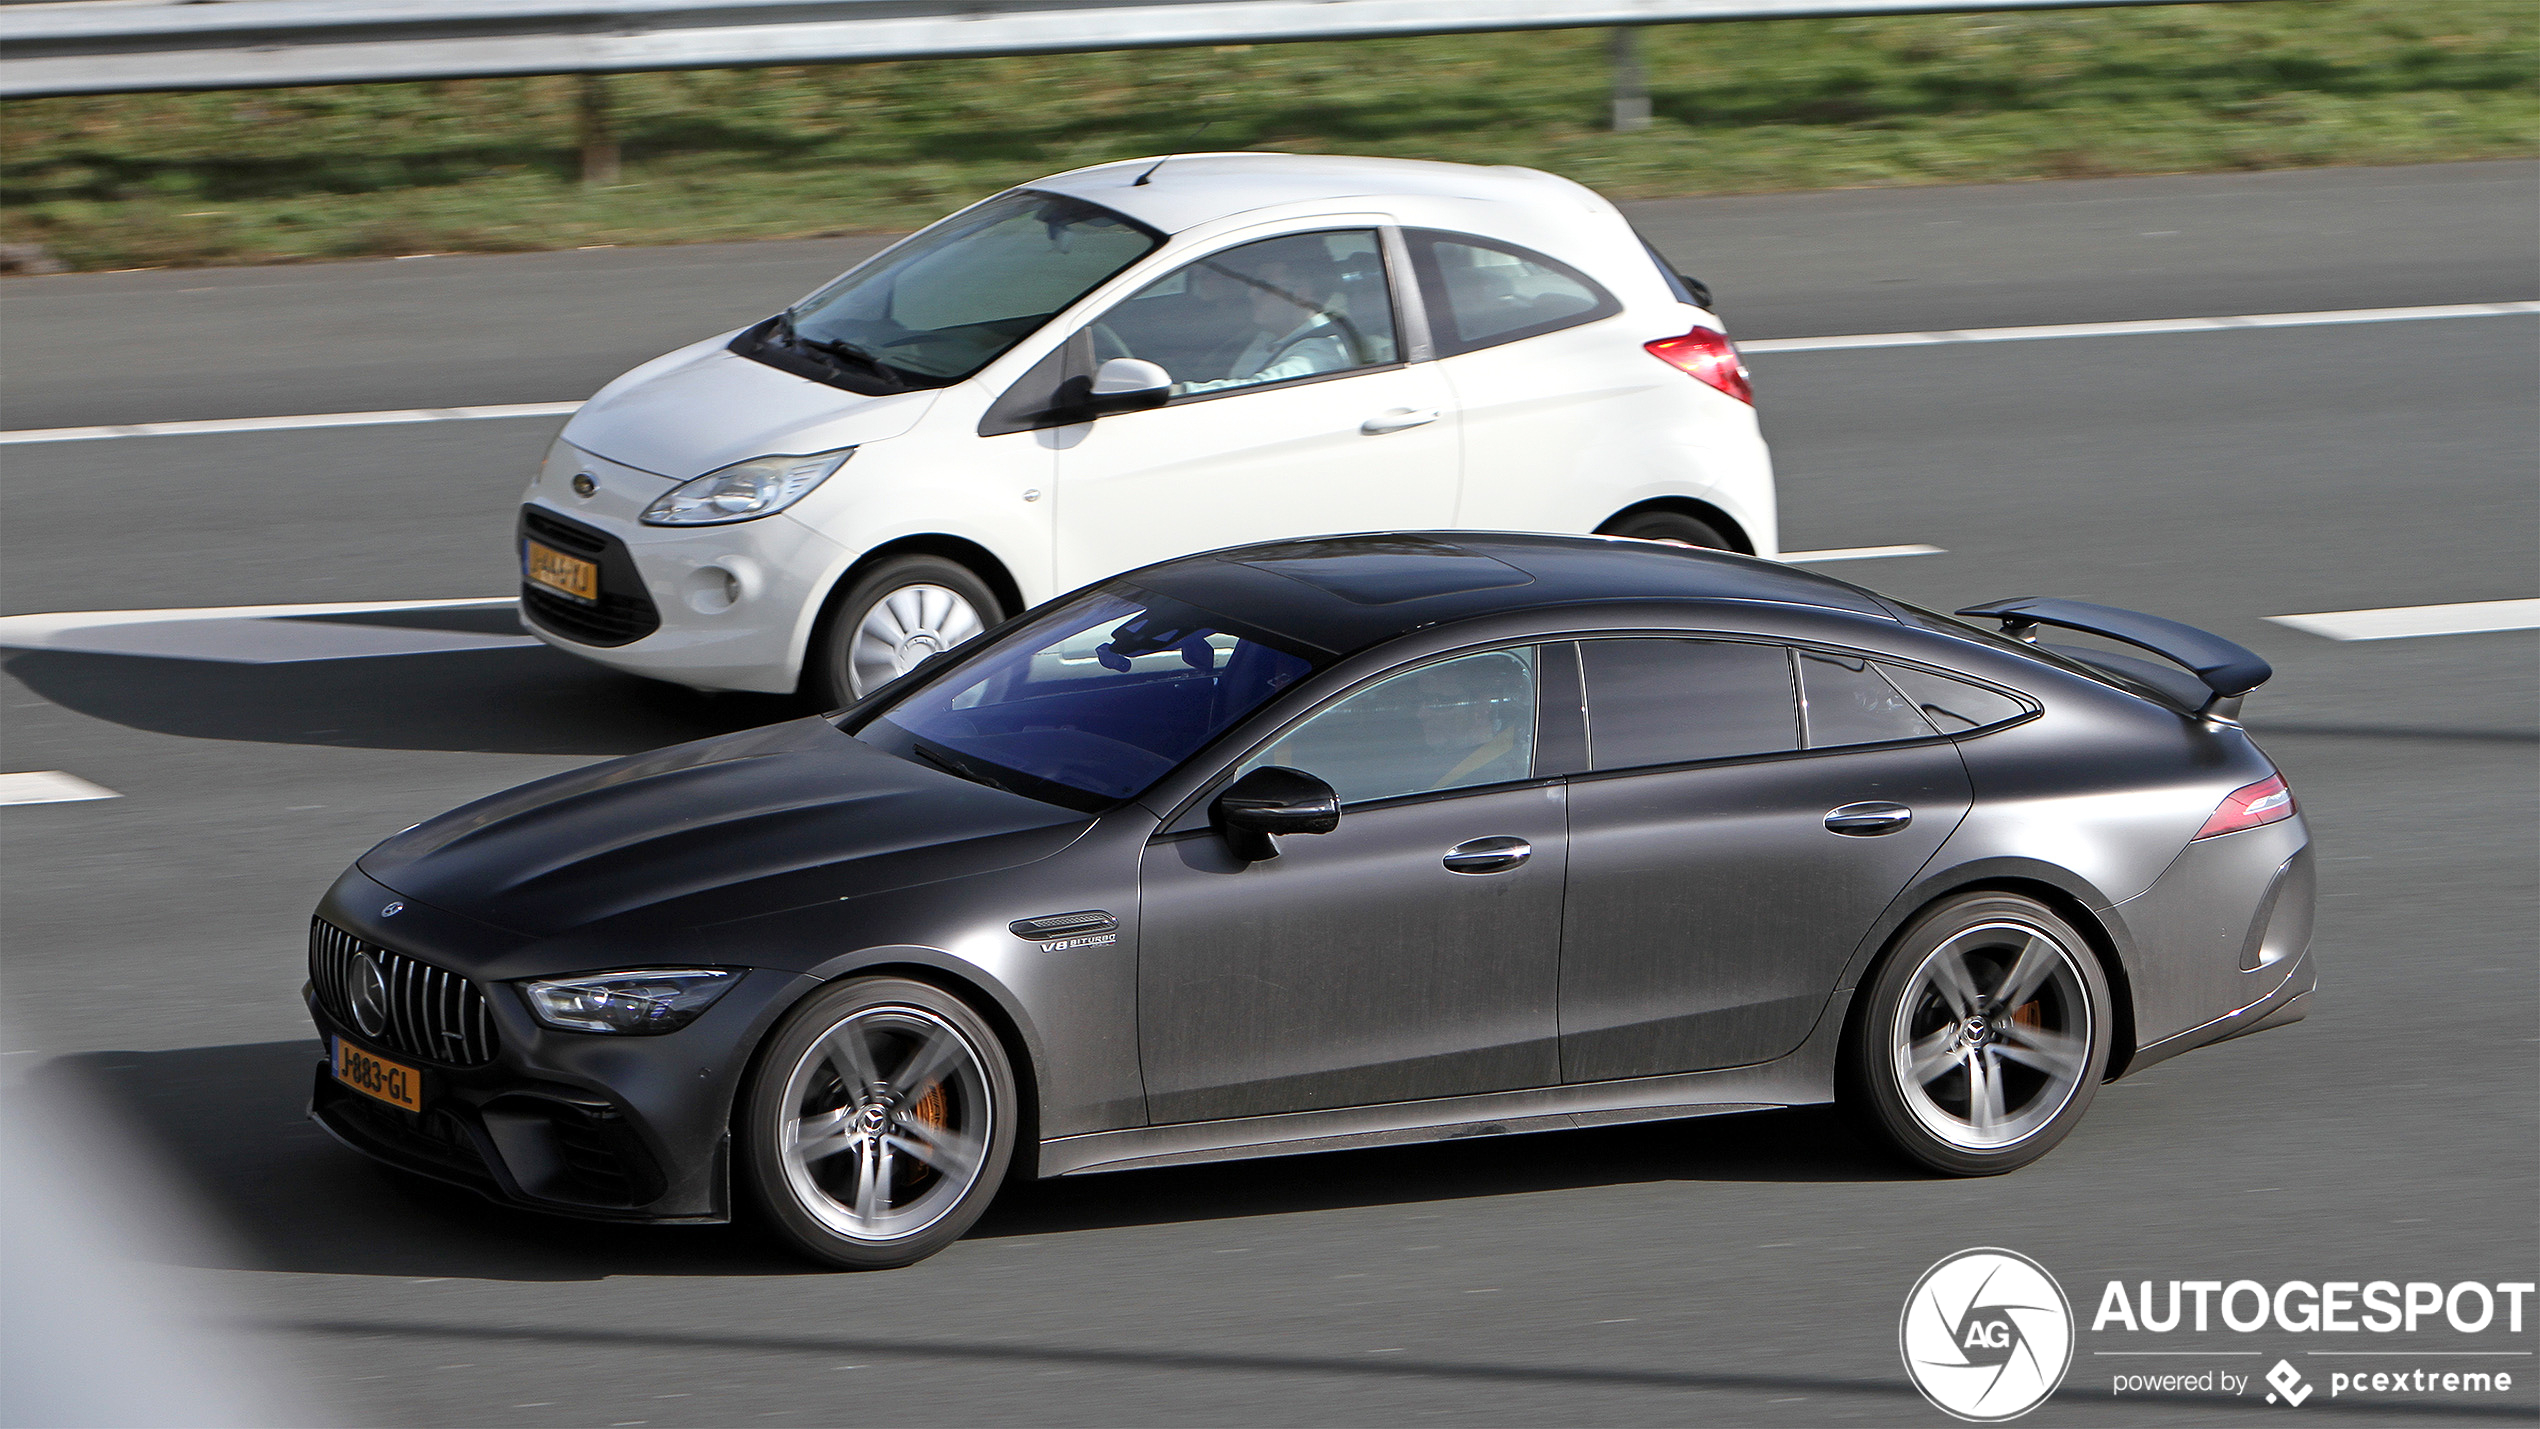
520 700
228 1126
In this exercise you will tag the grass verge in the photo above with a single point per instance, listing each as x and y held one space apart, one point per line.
491 165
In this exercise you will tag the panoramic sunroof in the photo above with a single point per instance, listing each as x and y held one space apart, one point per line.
1366 571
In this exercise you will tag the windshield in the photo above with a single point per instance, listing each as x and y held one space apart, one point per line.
1091 703
952 299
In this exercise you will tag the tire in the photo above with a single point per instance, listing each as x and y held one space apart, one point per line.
1946 1070
887 619
1673 527
878 1124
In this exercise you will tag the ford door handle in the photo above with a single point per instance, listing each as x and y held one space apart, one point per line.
1863 820
1400 419
1488 855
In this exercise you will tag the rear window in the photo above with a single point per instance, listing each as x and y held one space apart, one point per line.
1481 292
1676 701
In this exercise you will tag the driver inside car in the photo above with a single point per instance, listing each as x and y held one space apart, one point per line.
1290 328
1469 714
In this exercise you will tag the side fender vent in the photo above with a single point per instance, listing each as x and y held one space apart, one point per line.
1064 925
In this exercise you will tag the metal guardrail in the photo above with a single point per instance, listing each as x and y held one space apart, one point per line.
125 46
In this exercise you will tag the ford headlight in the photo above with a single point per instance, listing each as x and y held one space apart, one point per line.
644 1001
744 491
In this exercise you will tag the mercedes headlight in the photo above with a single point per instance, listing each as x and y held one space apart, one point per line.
744 491
644 1001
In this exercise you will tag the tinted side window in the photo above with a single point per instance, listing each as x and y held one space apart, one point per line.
1953 706
1481 292
1668 701
1451 725
1282 308
1849 702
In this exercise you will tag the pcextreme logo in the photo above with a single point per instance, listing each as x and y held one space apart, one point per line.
1986 1335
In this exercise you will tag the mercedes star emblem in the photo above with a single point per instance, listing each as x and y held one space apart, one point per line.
369 996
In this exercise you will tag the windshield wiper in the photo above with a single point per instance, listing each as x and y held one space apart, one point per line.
959 768
840 354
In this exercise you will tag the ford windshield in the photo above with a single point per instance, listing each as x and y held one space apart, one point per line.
953 298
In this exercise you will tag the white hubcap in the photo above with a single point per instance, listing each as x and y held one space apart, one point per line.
904 627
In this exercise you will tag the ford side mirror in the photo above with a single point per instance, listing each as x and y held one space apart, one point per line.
1129 384
1269 801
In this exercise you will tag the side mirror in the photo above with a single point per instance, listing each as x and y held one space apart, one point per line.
1269 801
1129 384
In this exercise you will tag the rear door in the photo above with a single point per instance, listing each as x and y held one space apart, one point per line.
1711 906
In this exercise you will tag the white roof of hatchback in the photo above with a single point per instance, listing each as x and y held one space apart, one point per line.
1192 189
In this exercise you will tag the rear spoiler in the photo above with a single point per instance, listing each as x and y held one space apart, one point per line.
2228 671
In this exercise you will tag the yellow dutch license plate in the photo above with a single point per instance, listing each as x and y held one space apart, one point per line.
566 575
392 1082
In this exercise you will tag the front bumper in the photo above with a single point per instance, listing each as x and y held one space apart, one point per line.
603 1127
716 607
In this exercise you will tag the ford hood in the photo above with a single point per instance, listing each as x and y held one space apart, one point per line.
704 406
724 828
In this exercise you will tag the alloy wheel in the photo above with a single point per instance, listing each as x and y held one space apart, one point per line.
1992 1036
887 1122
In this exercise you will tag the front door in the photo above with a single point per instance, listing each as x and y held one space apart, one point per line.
1359 967
1711 906
1293 413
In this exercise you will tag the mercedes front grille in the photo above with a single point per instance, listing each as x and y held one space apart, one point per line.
431 1013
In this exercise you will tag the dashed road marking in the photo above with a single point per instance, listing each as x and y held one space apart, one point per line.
263 634
1857 553
50 786
2400 622
222 425
2138 327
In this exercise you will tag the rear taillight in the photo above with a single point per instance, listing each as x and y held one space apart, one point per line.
1708 357
2250 806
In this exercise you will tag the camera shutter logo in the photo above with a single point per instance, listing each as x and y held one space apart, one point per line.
1987 1335
368 996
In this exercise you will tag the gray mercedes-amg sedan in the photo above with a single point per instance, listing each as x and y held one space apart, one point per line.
1326 844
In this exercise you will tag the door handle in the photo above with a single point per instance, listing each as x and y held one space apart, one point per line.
1496 855
1863 820
1400 419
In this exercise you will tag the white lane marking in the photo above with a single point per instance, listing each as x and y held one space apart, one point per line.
2150 325
2476 617
49 786
253 634
1760 345
287 424
1858 553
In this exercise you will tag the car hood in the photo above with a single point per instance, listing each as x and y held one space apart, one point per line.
725 828
703 407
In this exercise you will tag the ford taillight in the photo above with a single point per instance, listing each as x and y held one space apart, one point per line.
1707 357
2250 806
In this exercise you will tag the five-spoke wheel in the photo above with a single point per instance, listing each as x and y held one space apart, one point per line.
879 1123
1982 1037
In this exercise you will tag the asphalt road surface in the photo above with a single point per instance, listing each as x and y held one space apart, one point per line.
1741 1269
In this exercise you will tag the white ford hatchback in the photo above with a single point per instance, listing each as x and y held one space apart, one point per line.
1122 364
